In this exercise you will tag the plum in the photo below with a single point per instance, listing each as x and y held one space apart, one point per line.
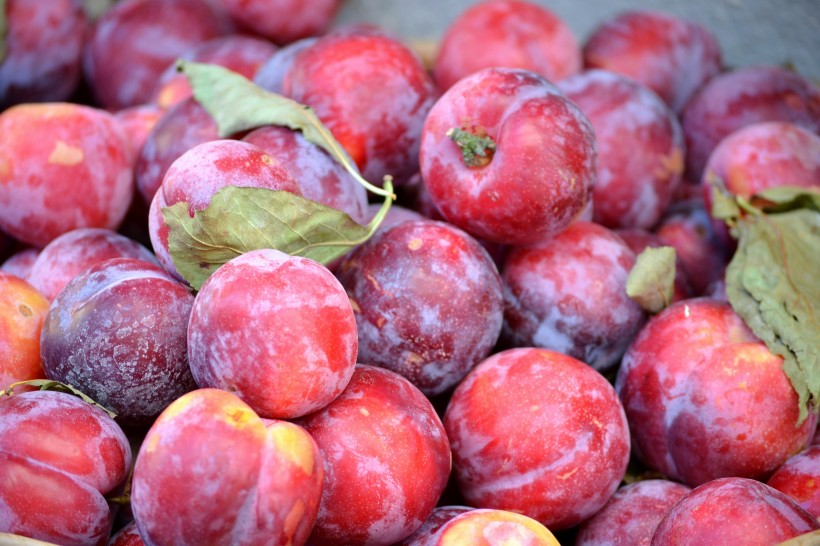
798 478
507 33
507 157
199 173
135 40
539 433
706 399
188 490
75 251
127 536
488 527
44 45
23 310
733 511
741 97
63 456
238 53
568 294
118 333
372 92
427 300
387 459
321 178
670 55
276 330
62 166
631 515
640 148
178 130
20 263
282 21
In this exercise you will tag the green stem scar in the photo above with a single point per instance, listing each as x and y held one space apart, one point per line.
477 149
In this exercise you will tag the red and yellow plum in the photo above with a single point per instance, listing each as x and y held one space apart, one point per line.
22 312
62 166
189 490
488 527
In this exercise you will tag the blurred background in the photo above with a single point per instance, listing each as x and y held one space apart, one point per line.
781 32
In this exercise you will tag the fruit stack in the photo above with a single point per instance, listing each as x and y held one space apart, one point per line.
270 280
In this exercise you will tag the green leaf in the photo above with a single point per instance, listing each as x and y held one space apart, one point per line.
95 8
786 198
651 282
724 205
772 284
237 104
49 385
3 30
239 220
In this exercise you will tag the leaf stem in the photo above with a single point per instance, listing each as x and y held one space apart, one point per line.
340 155
744 204
380 216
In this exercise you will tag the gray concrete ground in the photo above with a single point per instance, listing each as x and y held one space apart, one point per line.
749 31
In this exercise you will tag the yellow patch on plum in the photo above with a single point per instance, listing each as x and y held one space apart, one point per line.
671 164
65 154
5 168
490 528
295 445
293 519
178 406
151 443
239 417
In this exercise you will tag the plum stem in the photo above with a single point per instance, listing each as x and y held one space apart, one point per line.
476 149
